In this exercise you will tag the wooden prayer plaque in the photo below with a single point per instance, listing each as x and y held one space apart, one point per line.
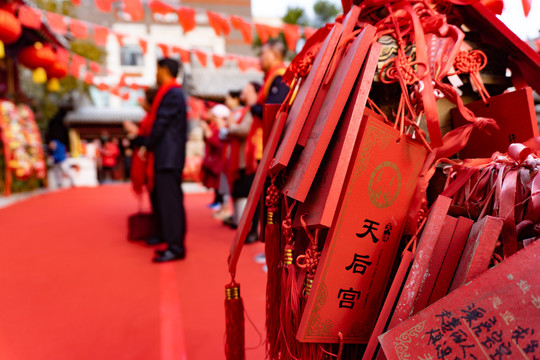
451 260
304 99
303 172
361 245
478 250
322 199
432 230
496 316
514 113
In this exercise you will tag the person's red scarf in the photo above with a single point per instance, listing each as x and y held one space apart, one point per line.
142 167
232 164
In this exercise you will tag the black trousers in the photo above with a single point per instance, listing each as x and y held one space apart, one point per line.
170 206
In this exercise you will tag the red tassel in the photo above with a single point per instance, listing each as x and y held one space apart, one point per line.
234 323
273 258
290 294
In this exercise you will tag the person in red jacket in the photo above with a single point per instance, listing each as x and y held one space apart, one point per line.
109 157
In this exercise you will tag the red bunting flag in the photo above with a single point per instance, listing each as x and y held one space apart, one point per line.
266 32
115 91
89 78
103 87
244 27
30 17
76 2
75 67
134 9
292 35
184 55
526 6
134 86
78 28
62 55
100 35
218 23
120 38
125 96
243 63
95 67
122 82
104 5
218 60
158 7
144 45
202 57
57 23
164 50
186 18
308 31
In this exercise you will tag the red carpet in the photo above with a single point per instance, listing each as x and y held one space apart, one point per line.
72 287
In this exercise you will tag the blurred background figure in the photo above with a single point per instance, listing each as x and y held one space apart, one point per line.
109 157
60 166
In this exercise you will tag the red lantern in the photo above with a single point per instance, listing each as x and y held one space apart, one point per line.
10 27
57 70
38 55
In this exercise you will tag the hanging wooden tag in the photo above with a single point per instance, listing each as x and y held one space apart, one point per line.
303 172
496 316
304 99
478 250
322 200
361 244
514 113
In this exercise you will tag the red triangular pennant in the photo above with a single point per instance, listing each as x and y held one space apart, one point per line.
30 17
144 45
57 23
104 5
100 35
202 57
526 6
103 87
122 82
218 23
266 32
292 35
89 78
76 2
78 28
120 38
186 18
218 60
95 67
244 27
158 7
134 9
164 50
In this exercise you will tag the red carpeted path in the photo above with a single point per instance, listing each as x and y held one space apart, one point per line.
73 288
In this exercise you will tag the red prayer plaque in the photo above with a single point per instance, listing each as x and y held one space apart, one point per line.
451 260
361 245
496 316
478 250
406 305
514 113
303 172
269 116
322 200
255 192
304 99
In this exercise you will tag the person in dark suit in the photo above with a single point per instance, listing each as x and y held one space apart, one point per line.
167 143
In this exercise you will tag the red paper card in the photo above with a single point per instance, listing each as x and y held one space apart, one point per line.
304 99
478 250
514 113
451 260
361 245
406 305
496 316
255 192
303 172
322 200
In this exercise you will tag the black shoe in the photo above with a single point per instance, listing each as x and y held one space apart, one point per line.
229 221
251 238
168 255
154 241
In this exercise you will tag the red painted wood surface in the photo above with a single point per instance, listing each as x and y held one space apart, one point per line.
478 250
515 115
496 316
361 245
432 230
322 200
304 99
303 172
451 260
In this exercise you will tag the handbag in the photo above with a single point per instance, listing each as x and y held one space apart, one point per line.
141 225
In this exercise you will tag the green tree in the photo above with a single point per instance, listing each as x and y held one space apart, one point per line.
295 15
325 11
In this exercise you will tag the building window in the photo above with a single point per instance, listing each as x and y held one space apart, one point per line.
131 55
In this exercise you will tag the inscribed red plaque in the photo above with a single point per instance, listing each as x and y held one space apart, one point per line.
361 245
514 113
303 172
322 200
304 99
496 316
